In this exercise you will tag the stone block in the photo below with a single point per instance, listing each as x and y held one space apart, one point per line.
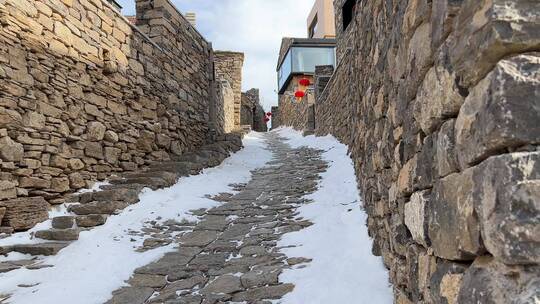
63 222
443 15
427 265
446 158
91 220
507 201
31 163
490 281
117 108
93 110
76 164
112 154
128 195
34 182
24 213
2 213
98 208
34 120
454 229
501 112
111 136
70 234
494 29
76 181
59 162
446 282
423 175
406 177
60 184
7 190
10 150
438 98
95 131
94 149
146 141
416 217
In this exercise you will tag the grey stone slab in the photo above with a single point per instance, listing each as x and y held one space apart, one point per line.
131 295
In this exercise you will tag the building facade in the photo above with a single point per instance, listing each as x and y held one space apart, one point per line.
320 22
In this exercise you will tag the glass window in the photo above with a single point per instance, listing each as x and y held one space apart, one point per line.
305 59
284 70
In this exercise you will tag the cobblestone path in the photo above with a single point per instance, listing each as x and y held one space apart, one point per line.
231 254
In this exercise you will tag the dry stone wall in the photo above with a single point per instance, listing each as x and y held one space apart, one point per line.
253 113
228 70
85 94
294 112
439 102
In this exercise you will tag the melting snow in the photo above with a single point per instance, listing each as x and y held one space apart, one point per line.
343 269
101 260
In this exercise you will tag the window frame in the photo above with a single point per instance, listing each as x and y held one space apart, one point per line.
348 11
283 79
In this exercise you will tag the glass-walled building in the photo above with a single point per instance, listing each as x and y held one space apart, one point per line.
300 56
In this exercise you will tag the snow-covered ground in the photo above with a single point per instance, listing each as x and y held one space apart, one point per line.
343 270
87 271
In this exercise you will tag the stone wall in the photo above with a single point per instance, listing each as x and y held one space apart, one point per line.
439 102
228 67
276 122
293 112
85 94
253 113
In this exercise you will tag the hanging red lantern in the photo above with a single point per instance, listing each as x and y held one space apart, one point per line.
269 114
299 94
304 82
266 119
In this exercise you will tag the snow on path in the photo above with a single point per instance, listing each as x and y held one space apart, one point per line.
87 271
343 270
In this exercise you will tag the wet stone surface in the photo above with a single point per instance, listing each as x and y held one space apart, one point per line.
230 255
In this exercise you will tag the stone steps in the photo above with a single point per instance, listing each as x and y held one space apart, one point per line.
49 248
30 264
70 234
92 209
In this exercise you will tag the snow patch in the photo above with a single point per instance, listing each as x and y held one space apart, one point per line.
103 258
343 269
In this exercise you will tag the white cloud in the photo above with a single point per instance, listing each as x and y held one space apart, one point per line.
254 27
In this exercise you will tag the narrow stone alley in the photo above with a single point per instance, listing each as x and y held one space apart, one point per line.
231 254
225 235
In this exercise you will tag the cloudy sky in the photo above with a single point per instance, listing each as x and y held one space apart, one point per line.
254 27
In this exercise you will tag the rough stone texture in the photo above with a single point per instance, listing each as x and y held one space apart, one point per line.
252 113
231 254
294 112
438 102
490 281
501 112
24 213
506 196
2 213
416 217
454 227
85 94
228 68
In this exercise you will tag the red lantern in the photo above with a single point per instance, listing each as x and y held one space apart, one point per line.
299 94
269 114
266 119
304 82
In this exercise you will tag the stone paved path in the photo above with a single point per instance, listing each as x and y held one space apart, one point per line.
231 254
